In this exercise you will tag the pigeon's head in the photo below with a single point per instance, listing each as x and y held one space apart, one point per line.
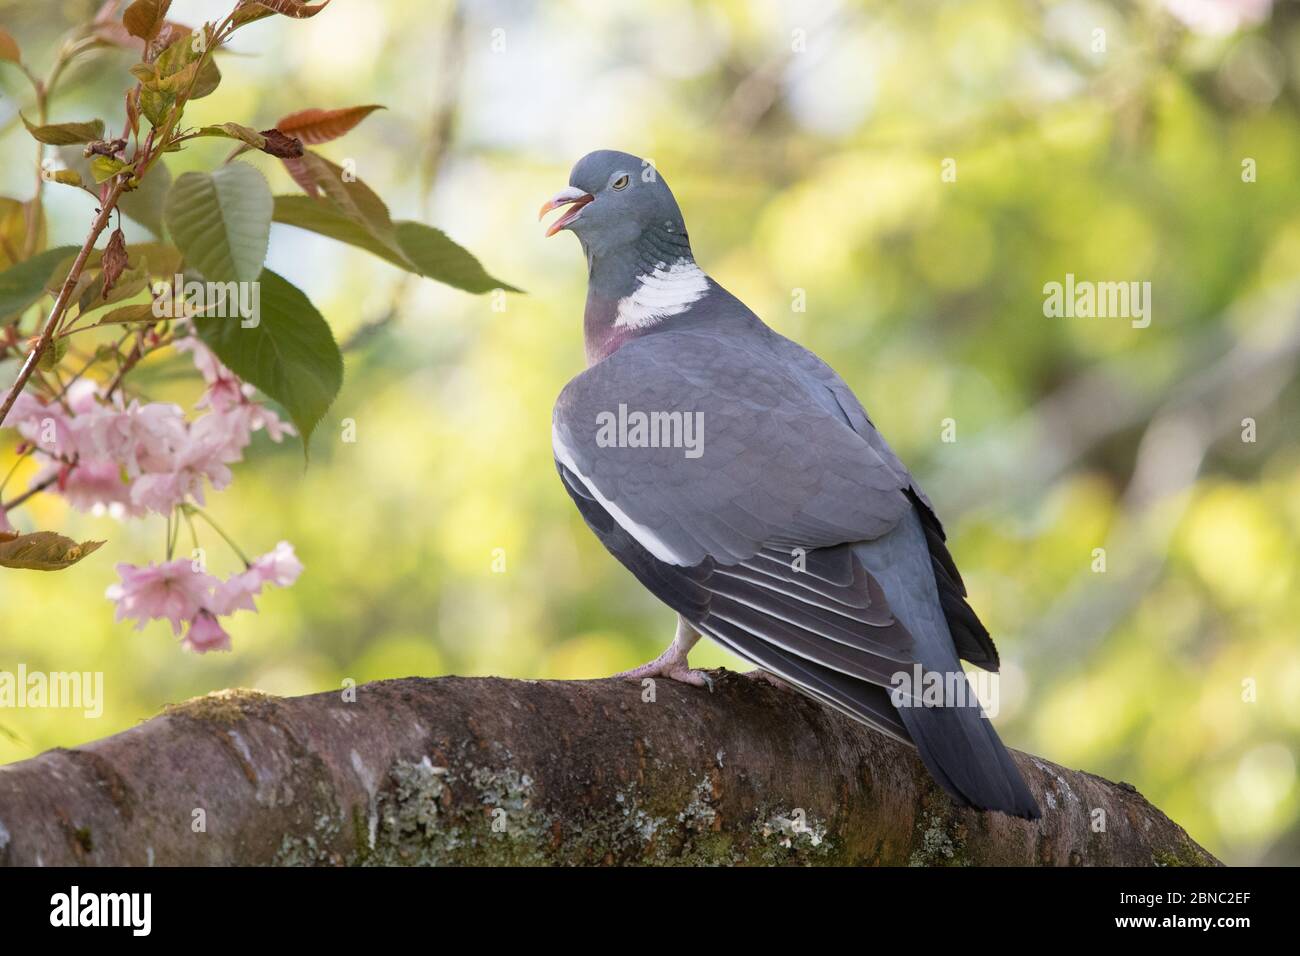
614 198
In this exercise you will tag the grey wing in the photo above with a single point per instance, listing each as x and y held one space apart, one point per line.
816 619
969 635
750 540
912 566
771 467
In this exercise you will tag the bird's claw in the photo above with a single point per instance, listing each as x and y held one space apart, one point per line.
671 670
696 678
672 663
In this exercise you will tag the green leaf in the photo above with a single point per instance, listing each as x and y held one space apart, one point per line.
49 359
290 354
24 283
42 551
15 221
424 250
103 168
351 197
323 217
208 80
66 134
130 284
156 105
438 257
221 221
131 314
235 131
179 72
177 66
67 177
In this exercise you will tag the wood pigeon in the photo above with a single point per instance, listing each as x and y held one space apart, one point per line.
738 478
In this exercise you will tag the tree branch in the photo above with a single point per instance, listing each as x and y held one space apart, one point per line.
64 297
489 771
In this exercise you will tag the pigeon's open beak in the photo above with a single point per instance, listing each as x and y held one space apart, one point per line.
568 196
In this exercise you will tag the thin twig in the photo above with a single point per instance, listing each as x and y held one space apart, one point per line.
31 492
65 296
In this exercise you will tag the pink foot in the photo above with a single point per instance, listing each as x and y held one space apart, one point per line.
672 662
672 669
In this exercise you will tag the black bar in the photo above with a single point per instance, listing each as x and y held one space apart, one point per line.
337 905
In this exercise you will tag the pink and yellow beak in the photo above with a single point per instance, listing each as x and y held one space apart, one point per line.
570 196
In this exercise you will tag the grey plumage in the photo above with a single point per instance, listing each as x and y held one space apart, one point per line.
796 538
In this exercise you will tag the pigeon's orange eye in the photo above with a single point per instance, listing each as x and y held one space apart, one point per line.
621 182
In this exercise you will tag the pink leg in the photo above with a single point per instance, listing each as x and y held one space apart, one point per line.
672 662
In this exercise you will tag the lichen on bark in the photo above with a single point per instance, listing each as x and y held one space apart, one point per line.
455 771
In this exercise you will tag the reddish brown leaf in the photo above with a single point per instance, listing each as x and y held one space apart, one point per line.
114 261
315 126
278 144
143 17
116 34
302 175
250 10
133 111
9 48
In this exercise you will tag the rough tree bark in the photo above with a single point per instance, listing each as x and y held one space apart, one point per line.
488 771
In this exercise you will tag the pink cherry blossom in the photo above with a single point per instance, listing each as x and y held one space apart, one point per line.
259 417
94 485
205 360
48 427
280 567
65 429
205 634
132 458
237 593
225 390
218 438
176 592
163 492
224 394
173 591
144 438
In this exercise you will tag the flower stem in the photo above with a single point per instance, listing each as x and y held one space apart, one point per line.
194 534
196 510
172 523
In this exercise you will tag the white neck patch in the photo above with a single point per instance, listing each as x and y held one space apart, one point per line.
669 290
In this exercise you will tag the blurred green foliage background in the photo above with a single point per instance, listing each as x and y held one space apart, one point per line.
806 144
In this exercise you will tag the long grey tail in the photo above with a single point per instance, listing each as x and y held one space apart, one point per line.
958 745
